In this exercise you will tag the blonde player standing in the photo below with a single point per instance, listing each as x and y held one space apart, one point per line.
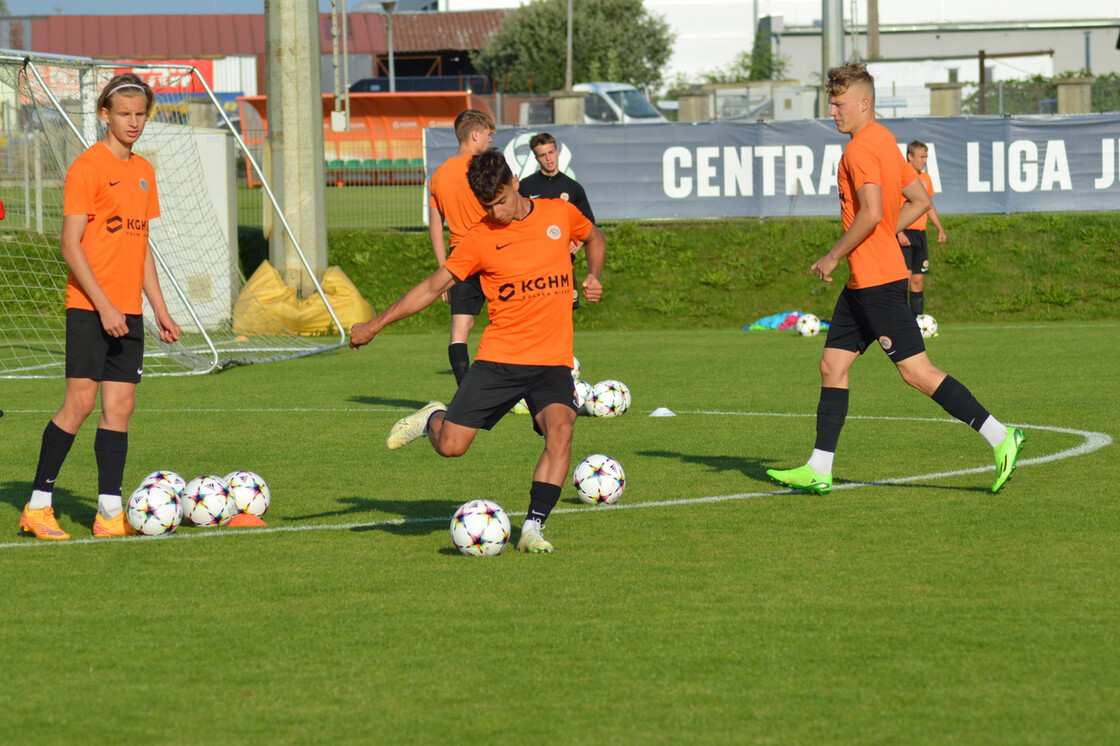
109 197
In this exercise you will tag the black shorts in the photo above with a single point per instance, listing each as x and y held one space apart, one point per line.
92 353
489 391
466 297
878 314
917 253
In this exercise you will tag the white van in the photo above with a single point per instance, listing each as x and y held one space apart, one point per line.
617 103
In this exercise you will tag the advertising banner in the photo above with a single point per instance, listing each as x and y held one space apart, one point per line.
770 169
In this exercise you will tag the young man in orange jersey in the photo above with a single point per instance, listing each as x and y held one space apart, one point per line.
878 192
521 254
452 201
109 197
912 239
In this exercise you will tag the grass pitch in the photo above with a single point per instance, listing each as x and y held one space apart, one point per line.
908 606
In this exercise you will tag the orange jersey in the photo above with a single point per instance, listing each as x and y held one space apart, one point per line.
920 223
872 157
526 273
119 198
453 198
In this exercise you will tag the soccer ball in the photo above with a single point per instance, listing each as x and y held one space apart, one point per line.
480 528
174 483
808 325
607 400
248 492
625 391
599 480
153 509
206 501
928 325
575 368
583 397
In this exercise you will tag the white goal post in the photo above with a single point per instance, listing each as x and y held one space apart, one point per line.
48 116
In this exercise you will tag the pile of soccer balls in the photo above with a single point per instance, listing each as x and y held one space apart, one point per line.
164 499
609 398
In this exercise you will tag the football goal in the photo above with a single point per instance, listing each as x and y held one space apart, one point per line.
48 116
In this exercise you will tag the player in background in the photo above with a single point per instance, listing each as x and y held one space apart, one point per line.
874 179
108 200
452 201
912 239
520 252
550 182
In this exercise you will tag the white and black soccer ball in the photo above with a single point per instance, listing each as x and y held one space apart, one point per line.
583 397
927 324
206 501
607 399
249 492
808 325
153 509
480 528
599 480
175 483
575 368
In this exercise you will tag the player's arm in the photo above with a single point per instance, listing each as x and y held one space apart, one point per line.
596 249
168 329
941 237
422 295
73 229
869 215
916 205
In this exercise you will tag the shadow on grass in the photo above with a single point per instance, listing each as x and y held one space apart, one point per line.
66 504
380 401
418 517
754 468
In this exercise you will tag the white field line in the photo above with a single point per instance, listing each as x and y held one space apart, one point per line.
1092 441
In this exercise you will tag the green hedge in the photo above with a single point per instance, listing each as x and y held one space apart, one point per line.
728 273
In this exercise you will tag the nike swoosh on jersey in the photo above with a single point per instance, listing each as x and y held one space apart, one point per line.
114 183
499 248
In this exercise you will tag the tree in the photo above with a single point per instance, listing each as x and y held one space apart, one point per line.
616 40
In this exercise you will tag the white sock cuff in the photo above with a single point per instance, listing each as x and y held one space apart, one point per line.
40 499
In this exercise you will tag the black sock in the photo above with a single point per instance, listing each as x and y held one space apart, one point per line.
542 499
832 410
56 444
958 401
460 359
111 448
917 302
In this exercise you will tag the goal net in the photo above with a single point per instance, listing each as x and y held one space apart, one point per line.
48 116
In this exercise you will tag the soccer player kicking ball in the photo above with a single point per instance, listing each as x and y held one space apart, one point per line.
874 180
520 251
109 197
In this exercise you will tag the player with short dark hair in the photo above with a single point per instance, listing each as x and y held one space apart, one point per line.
108 199
550 182
452 201
873 181
520 253
912 239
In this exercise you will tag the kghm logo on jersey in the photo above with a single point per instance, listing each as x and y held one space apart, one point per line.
885 342
114 224
554 232
536 286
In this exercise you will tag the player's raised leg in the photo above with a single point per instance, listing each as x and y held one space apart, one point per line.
413 426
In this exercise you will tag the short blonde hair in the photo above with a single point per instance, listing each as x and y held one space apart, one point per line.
845 76
471 120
